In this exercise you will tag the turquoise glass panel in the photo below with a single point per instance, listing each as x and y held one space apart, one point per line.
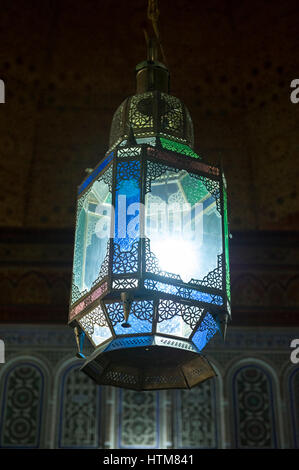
92 236
226 241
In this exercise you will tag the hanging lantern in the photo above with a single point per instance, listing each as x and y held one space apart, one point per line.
151 269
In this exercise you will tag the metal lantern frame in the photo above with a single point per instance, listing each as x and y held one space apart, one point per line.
126 289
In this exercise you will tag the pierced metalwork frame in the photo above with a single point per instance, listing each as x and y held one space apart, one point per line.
133 281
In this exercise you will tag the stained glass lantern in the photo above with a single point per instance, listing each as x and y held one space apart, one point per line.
151 268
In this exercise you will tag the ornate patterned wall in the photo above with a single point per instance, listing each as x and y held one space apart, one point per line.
79 410
59 106
35 277
201 432
23 406
294 405
139 419
46 402
254 415
35 273
65 76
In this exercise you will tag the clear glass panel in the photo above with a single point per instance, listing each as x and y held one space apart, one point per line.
147 140
174 326
176 318
92 236
96 326
183 223
226 241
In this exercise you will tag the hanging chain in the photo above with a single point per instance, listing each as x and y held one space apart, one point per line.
153 15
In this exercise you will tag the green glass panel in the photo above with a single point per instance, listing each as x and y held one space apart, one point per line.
179 148
226 242
194 189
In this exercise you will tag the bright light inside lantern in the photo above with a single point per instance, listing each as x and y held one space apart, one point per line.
183 226
176 256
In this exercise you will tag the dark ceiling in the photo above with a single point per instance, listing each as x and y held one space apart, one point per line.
67 65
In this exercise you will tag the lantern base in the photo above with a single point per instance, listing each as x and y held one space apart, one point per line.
148 367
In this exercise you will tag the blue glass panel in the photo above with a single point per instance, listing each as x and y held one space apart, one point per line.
183 292
137 326
127 208
205 332
95 173
95 326
140 318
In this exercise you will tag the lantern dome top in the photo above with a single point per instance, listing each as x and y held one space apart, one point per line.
152 111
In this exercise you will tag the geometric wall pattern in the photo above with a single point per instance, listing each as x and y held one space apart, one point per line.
22 406
138 419
294 405
61 98
254 416
35 274
57 114
202 432
79 409
46 402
